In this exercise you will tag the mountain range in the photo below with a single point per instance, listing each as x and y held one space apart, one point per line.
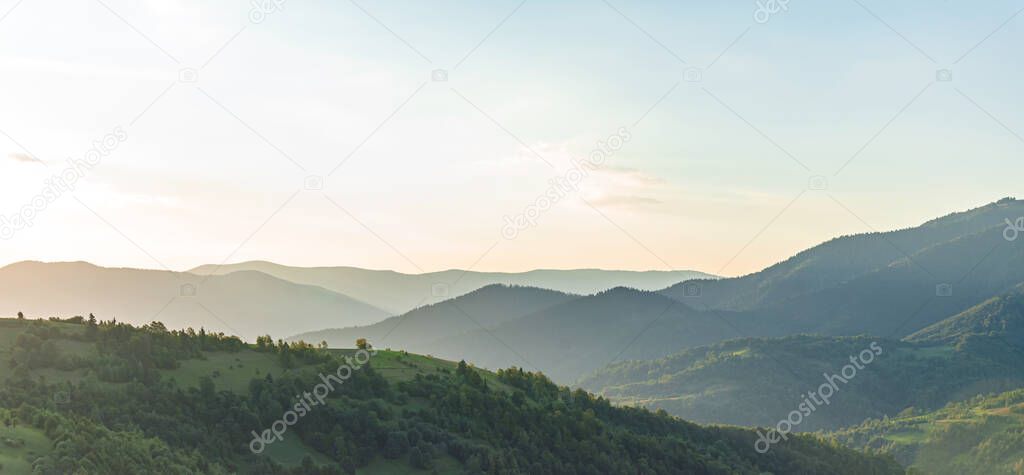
948 292
398 293
888 285
252 299
940 306
756 381
417 330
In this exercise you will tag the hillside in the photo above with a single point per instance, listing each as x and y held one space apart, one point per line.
892 299
399 293
981 436
904 296
571 339
101 397
844 259
418 329
759 381
1001 317
243 303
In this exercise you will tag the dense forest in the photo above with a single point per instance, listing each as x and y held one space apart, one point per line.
90 396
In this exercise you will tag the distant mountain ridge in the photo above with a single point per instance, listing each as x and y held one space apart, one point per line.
563 335
581 335
420 328
244 303
251 303
399 293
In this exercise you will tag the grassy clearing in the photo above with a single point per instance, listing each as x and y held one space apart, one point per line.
229 371
983 435
19 446
397 366
907 437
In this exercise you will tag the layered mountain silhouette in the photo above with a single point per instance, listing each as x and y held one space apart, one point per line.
418 329
399 293
889 285
576 337
247 304
751 381
943 302
252 302
562 335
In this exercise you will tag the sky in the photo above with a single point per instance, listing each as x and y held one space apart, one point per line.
502 135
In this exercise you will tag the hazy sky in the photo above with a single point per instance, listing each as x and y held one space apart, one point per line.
213 165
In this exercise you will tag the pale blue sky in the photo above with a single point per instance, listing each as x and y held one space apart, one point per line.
206 171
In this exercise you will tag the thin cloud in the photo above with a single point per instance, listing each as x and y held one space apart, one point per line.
632 175
625 201
624 187
23 158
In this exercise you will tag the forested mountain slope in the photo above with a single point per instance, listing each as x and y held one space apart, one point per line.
845 258
1000 317
759 381
981 436
99 397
